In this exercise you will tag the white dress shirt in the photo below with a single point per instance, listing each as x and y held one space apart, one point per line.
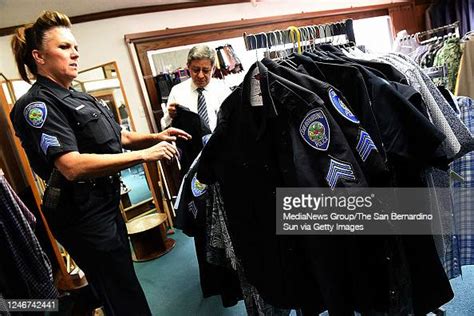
186 94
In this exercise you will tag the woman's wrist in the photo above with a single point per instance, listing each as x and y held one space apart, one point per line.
157 137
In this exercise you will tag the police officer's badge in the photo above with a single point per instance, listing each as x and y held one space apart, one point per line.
315 130
197 187
341 107
35 114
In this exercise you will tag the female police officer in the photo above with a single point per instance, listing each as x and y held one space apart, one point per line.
69 133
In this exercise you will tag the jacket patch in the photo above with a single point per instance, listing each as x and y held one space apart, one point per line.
35 114
315 130
339 169
48 141
341 107
193 209
197 187
365 145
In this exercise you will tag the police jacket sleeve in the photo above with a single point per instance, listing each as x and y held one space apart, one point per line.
42 128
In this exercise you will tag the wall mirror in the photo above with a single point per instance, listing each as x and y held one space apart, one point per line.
104 83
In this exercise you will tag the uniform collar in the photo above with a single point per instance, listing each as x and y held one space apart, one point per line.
53 86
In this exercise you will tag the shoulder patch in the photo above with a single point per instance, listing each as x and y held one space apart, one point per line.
365 145
35 114
314 129
339 169
48 141
197 187
341 107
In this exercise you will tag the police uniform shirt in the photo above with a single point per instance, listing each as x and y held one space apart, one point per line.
51 120
350 82
406 133
389 72
243 158
367 154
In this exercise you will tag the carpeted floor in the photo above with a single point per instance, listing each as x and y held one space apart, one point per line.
171 284
135 179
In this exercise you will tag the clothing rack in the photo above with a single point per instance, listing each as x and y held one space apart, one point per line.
329 30
454 26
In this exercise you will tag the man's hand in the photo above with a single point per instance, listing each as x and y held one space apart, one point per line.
172 110
170 134
162 150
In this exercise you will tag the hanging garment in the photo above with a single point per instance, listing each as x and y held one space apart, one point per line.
221 252
191 123
442 115
449 55
366 153
463 135
28 269
444 12
397 127
350 81
240 156
219 267
464 85
462 190
442 207
270 150
465 14
421 242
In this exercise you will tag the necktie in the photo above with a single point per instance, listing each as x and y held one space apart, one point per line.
202 108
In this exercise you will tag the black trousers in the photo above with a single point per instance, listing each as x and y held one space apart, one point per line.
95 235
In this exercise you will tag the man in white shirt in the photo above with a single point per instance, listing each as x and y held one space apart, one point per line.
202 94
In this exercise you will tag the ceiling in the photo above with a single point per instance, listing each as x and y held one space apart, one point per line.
18 12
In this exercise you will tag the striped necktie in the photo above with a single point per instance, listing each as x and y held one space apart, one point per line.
202 108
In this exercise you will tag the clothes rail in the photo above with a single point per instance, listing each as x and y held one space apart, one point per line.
264 39
454 26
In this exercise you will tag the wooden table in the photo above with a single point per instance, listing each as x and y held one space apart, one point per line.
148 237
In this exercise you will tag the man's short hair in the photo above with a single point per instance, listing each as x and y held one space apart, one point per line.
201 52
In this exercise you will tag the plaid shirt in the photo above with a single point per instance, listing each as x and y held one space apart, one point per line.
19 244
462 191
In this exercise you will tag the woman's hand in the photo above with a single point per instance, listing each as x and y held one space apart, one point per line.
162 150
172 133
